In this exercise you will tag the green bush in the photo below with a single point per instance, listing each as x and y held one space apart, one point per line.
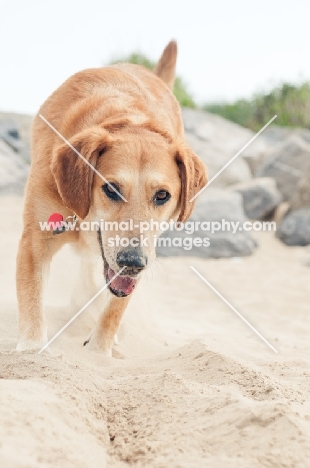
290 102
180 88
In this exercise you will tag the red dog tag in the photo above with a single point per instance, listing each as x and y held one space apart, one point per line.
55 220
56 223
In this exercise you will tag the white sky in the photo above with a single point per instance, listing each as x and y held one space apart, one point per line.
227 49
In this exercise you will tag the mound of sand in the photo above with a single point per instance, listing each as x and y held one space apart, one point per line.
190 385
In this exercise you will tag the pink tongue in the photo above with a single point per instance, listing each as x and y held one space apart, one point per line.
123 284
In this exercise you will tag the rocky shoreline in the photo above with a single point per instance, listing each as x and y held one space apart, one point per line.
269 180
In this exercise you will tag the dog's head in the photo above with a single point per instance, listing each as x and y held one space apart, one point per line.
147 179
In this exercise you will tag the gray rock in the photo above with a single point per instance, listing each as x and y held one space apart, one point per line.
256 153
14 151
10 134
301 197
260 197
287 164
272 138
14 170
214 206
275 134
16 124
216 140
295 228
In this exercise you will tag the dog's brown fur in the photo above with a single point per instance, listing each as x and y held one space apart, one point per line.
126 122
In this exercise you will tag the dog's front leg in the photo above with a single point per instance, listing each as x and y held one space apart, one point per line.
102 338
33 260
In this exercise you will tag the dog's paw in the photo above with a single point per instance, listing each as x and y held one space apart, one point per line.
30 345
100 347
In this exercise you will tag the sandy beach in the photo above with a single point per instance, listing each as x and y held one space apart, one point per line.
190 384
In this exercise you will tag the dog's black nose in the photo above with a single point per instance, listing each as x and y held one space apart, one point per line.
132 259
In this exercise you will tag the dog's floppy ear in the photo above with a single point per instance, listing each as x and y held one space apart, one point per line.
193 175
73 174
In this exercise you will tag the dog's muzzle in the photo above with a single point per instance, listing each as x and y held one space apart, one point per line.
133 262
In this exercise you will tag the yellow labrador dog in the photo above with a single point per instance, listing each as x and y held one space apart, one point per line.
124 157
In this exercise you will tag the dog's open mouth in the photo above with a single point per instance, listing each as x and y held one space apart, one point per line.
122 285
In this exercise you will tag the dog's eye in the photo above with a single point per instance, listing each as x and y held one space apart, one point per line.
110 191
161 197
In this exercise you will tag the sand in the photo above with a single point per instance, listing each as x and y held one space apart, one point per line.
190 384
